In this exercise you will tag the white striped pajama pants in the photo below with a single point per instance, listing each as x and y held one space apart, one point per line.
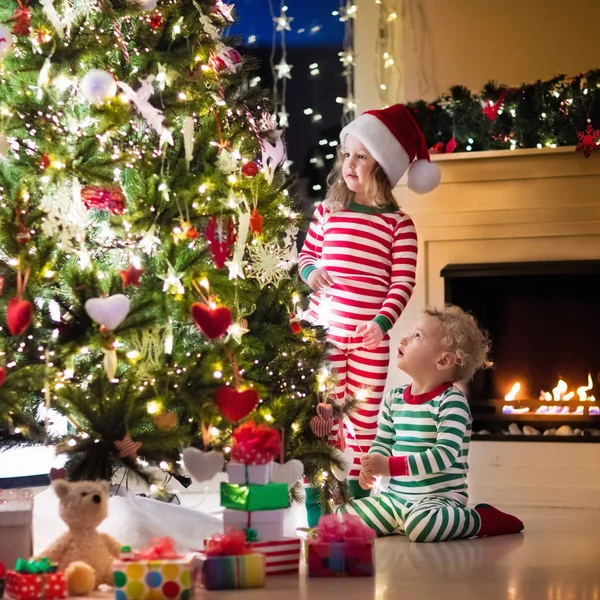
428 519
359 369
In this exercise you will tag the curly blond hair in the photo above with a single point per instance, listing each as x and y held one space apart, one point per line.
339 196
462 335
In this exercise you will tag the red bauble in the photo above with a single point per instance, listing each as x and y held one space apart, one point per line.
2 376
250 169
23 236
18 315
192 233
44 161
212 322
234 405
110 199
156 21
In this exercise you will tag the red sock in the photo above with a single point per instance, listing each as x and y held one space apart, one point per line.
495 522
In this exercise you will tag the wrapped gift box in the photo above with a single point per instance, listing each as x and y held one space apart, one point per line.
231 572
35 586
282 556
340 559
242 474
2 579
163 579
254 497
268 524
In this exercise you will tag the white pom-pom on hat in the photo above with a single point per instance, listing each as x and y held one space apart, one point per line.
394 139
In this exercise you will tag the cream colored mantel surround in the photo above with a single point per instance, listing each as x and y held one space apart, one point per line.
510 206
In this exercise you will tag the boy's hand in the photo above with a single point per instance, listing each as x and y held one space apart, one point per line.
372 334
366 483
374 465
319 279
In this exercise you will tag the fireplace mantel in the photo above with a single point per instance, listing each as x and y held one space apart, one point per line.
509 206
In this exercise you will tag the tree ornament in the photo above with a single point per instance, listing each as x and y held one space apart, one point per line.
346 457
233 404
250 169
110 363
236 264
289 472
98 86
44 161
131 276
223 10
172 280
212 322
165 421
491 109
256 222
226 58
2 376
19 313
156 20
146 4
269 262
272 156
191 233
237 330
188 140
127 447
322 423
219 242
202 466
99 198
108 312
6 41
22 18
295 324
4 143
588 140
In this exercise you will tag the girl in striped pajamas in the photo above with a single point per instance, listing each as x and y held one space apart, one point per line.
360 259
423 439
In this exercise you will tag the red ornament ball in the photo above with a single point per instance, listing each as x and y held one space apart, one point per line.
156 21
250 169
44 161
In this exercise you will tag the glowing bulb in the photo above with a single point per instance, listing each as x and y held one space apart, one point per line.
153 407
217 374
214 431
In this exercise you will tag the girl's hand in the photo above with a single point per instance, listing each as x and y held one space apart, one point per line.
372 334
374 465
366 483
319 279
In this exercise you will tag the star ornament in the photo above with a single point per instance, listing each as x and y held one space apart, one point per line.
237 330
172 280
127 447
284 70
283 22
131 276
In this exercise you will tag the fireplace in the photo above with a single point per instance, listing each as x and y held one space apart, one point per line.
544 321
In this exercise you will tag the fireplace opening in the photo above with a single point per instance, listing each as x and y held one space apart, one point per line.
544 321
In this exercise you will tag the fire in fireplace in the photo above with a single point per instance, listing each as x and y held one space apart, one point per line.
544 321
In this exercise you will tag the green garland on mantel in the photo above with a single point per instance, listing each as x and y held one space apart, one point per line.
564 111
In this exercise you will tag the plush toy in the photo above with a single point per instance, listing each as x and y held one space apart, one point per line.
84 554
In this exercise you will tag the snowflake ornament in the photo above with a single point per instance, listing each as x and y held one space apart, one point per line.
269 263
588 140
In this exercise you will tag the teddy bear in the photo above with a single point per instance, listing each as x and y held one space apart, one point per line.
84 554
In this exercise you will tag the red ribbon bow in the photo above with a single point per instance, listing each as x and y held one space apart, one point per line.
255 444
162 548
232 543
348 528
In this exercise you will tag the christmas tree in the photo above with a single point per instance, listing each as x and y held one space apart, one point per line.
147 241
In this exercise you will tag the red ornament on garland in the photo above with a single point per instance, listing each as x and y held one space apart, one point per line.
99 198
234 405
22 18
156 21
131 276
588 140
212 322
44 161
491 110
250 169
18 315
219 242
256 222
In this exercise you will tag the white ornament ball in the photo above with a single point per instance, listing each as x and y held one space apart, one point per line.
6 41
97 86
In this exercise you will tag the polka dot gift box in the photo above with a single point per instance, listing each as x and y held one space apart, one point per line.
154 574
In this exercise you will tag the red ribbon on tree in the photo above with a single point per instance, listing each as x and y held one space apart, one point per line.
110 199
255 444
219 242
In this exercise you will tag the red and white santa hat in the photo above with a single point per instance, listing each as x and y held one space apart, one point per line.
394 140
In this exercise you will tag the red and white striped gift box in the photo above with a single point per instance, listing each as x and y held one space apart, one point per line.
282 556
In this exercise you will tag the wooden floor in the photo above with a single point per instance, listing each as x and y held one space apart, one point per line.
556 558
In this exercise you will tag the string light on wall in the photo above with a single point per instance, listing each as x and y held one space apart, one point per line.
347 15
387 70
281 71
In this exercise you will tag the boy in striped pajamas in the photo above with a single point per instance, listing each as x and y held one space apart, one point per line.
423 439
360 259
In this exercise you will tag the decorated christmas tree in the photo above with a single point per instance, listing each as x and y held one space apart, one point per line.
147 241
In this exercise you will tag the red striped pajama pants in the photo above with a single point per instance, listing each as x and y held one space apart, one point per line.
360 370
